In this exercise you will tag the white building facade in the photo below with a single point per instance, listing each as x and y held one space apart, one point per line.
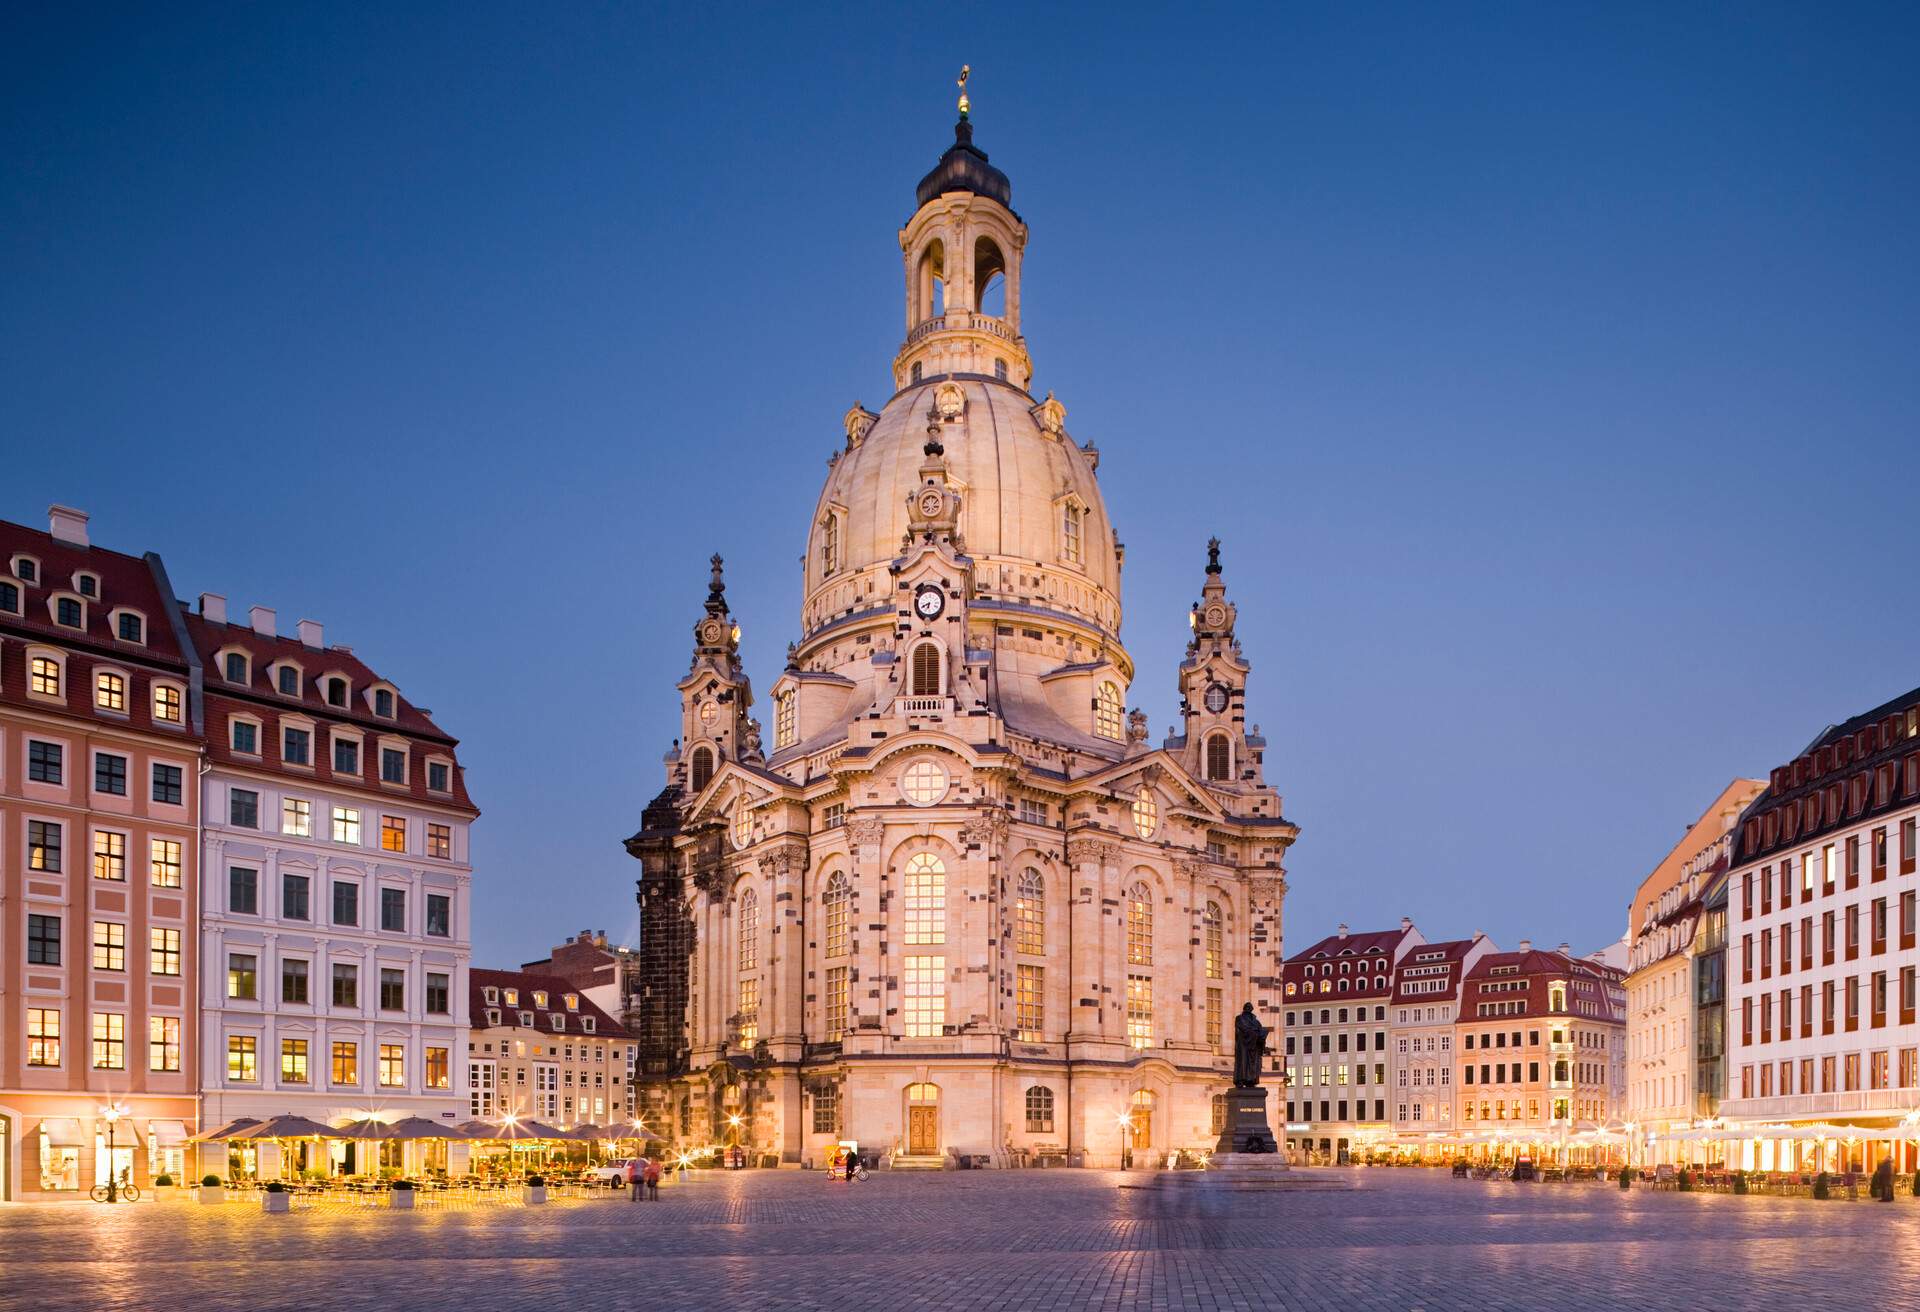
1822 954
335 927
1426 1002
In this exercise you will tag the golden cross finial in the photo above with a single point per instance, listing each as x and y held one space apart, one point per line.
966 70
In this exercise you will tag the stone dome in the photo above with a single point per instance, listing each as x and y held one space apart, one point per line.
1017 473
964 168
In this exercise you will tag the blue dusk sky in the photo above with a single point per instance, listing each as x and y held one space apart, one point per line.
1548 371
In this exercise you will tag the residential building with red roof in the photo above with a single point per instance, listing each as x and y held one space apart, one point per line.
1541 1043
336 919
99 881
1823 947
1421 1014
541 1048
1335 1045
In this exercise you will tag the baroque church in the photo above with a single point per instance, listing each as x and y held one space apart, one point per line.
956 906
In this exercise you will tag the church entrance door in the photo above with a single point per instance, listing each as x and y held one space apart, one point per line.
923 1131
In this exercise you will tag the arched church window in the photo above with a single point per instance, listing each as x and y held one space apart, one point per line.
1030 914
742 823
1219 757
1146 812
925 677
926 901
916 371
1139 926
747 919
1109 716
1071 521
829 543
702 773
785 721
837 903
1039 1110
1215 940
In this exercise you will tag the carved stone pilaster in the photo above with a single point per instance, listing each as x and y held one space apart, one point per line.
865 833
1190 868
1267 888
988 829
787 859
1094 851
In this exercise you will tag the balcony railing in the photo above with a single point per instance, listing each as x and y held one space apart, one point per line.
978 322
922 705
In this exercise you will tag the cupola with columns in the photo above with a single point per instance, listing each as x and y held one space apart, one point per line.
715 695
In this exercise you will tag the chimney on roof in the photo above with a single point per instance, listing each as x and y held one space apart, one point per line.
67 525
310 633
1565 949
1341 931
1406 923
1526 945
213 607
263 619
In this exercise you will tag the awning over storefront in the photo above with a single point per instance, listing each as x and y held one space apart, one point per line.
168 1134
62 1130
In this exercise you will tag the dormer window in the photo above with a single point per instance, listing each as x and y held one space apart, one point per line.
87 585
130 627
493 1016
558 1019
1109 714
586 1024
490 994
336 691
110 691
10 598
526 1019
26 569
288 678
69 612
383 703
513 997
540 998
573 1002
439 777
236 667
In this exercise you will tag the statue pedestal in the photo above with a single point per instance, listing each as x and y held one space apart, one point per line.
1247 1134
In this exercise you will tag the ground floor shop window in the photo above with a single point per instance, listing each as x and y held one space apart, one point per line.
59 1164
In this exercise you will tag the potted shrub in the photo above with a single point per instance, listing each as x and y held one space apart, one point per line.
275 1198
162 1187
400 1194
534 1190
1822 1186
211 1190
1626 1177
1686 1181
1740 1182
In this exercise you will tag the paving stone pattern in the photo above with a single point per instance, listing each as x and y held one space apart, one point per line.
1005 1240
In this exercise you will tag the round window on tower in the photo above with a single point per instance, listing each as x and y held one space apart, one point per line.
1146 813
924 783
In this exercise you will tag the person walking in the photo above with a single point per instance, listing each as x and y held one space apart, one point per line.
636 1179
652 1177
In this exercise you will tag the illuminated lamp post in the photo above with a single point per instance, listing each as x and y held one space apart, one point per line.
111 1114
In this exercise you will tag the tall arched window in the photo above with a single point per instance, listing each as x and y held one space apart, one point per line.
786 723
1030 914
1039 1110
1139 926
1219 757
1072 521
1109 715
926 902
747 918
1210 923
829 543
926 670
702 773
837 905
1146 812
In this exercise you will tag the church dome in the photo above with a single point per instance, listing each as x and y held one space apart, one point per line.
1031 518
964 168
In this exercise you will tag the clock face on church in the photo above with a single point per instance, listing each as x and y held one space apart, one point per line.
928 602
1216 698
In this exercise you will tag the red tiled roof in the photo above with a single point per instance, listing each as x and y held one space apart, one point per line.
1429 956
124 581
1371 951
1538 969
479 981
258 699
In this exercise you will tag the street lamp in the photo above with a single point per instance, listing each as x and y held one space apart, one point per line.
1126 1141
111 1113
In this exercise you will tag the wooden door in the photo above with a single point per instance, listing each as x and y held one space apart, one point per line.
923 1131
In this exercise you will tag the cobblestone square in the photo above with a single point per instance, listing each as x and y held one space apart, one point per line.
1402 1240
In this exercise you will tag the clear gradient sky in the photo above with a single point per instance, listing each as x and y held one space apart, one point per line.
1548 371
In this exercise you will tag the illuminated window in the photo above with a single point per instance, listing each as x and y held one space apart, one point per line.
109 855
242 975
109 945
924 996
243 1055
837 903
1072 520
1213 1018
924 783
110 691
346 1063
44 677
293 1061
742 824
439 1068
1210 925
43 1036
1030 991
393 1065
785 721
749 1011
346 825
440 841
163 950
1140 1011
166 703
926 901
296 817
163 1043
164 863
393 833
1109 717
836 1003
1146 813
1139 926
829 543
1030 914
109 1041
748 921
